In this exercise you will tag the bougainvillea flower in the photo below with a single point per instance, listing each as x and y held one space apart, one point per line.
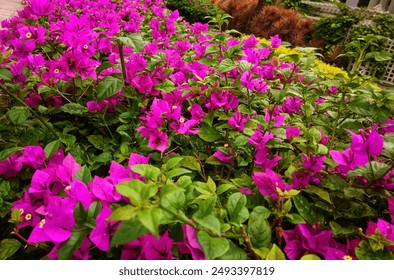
100 235
277 118
238 121
10 166
33 100
247 80
275 41
190 244
156 249
262 159
384 227
223 157
292 132
143 83
291 105
158 141
368 143
79 191
33 33
104 190
250 42
387 126
390 202
246 190
337 251
67 169
27 207
267 182
57 222
41 7
324 139
348 160
306 238
148 247
33 156
224 99
259 139
312 163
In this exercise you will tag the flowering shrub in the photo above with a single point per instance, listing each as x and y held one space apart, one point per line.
130 134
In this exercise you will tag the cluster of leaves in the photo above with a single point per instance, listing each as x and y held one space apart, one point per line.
193 10
129 133
286 3
349 26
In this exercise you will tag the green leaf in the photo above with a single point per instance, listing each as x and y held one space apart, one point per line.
98 141
211 246
103 66
166 86
108 87
223 188
295 219
191 163
135 190
94 209
68 140
209 134
8 247
211 185
172 197
103 157
227 65
273 143
177 172
241 141
287 206
213 160
148 171
310 257
51 148
83 174
307 210
67 249
275 254
319 192
339 230
150 218
234 253
18 114
206 207
260 212
365 252
209 222
259 229
6 75
74 109
122 213
128 231
355 210
16 217
133 40
334 183
80 214
173 162
236 202
4 154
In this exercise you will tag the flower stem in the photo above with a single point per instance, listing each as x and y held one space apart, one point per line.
120 48
21 238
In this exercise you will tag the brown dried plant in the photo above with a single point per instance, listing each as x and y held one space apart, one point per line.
269 21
